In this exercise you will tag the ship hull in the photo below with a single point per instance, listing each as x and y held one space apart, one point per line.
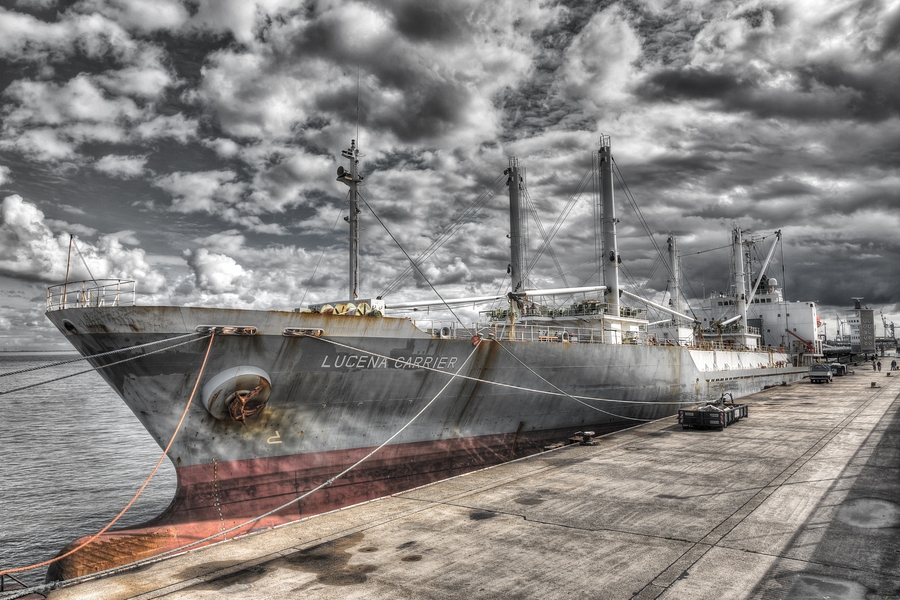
458 406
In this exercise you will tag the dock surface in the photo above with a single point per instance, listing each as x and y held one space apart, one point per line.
799 500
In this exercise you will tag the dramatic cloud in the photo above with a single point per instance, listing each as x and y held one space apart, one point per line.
124 167
217 273
31 251
209 192
218 126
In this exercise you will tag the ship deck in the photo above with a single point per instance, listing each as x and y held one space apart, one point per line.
798 500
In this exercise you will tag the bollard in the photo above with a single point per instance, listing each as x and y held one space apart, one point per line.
873 384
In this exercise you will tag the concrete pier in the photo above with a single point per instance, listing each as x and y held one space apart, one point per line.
800 500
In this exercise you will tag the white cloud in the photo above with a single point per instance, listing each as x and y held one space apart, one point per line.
286 182
27 38
4 175
79 99
208 191
217 273
123 167
241 18
30 250
146 77
597 72
27 246
121 263
66 227
412 87
224 147
43 144
138 15
229 242
49 121
177 127
126 236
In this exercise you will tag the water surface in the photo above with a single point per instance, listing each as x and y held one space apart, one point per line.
71 457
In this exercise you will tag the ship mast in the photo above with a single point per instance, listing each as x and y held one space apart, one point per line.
676 280
516 241
740 285
352 178
610 247
516 244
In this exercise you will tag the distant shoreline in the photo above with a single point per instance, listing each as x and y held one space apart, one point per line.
60 351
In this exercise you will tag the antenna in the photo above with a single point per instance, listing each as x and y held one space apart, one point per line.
358 144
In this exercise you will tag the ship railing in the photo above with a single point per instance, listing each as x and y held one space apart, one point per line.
541 333
579 309
534 333
92 293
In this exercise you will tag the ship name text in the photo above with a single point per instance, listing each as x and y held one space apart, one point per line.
366 361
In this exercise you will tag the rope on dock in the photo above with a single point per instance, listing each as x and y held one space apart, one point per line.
80 358
118 362
212 336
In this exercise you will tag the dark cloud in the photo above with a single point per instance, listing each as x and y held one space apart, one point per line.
428 23
693 84
218 130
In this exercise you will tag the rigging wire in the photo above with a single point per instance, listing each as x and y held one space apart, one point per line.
465 217
81 358
91 370
396 241
315 270
570 396
77 249
637 211
561 219
546 242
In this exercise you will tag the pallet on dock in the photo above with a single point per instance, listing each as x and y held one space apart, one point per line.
718 418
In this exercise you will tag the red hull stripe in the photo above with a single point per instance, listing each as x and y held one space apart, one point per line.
219 495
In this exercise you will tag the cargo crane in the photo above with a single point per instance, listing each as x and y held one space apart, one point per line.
809 345
888 338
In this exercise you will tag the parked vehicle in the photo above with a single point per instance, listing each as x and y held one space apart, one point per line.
838 369
819 373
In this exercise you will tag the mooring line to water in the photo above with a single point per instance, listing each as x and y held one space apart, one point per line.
93 369
162 555
146 482
81 358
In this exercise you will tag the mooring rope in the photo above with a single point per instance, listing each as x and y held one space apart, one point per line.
91 370
212 336
81 358
570 396
160 556
499 384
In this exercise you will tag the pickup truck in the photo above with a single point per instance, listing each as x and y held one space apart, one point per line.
819 373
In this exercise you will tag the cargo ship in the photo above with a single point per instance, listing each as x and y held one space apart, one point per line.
288 400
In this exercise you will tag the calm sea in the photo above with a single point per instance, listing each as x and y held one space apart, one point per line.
71 457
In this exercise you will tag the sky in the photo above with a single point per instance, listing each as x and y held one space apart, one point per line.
192 146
